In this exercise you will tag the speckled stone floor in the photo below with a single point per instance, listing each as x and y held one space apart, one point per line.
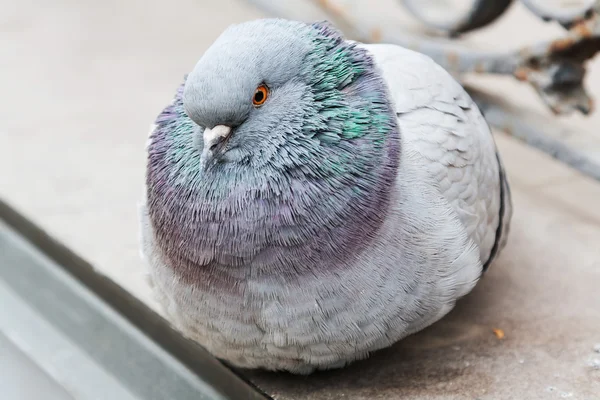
80 84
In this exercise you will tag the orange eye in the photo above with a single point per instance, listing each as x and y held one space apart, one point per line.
260 95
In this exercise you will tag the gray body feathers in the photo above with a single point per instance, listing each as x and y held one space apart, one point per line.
439 226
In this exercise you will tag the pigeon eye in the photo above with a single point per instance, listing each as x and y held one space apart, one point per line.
260 95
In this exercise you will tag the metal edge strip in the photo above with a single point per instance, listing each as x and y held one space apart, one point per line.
226 381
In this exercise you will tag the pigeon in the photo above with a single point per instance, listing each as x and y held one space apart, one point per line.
309 199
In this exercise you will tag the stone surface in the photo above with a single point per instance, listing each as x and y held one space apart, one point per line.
81 83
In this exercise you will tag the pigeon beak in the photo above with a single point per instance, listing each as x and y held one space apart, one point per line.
212 138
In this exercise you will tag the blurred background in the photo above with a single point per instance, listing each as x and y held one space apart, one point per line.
81 83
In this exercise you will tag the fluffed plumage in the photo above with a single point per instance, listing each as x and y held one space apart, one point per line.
350 210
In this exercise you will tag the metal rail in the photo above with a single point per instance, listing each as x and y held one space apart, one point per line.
453 20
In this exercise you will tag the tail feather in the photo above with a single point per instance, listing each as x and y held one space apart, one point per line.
505 212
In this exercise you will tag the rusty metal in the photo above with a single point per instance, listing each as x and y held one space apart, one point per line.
556 69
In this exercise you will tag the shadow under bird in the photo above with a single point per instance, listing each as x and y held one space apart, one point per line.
310 199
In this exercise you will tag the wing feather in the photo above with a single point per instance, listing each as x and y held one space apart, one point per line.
439 120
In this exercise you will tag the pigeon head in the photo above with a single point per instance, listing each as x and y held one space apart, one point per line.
256 85
281 140
247 85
